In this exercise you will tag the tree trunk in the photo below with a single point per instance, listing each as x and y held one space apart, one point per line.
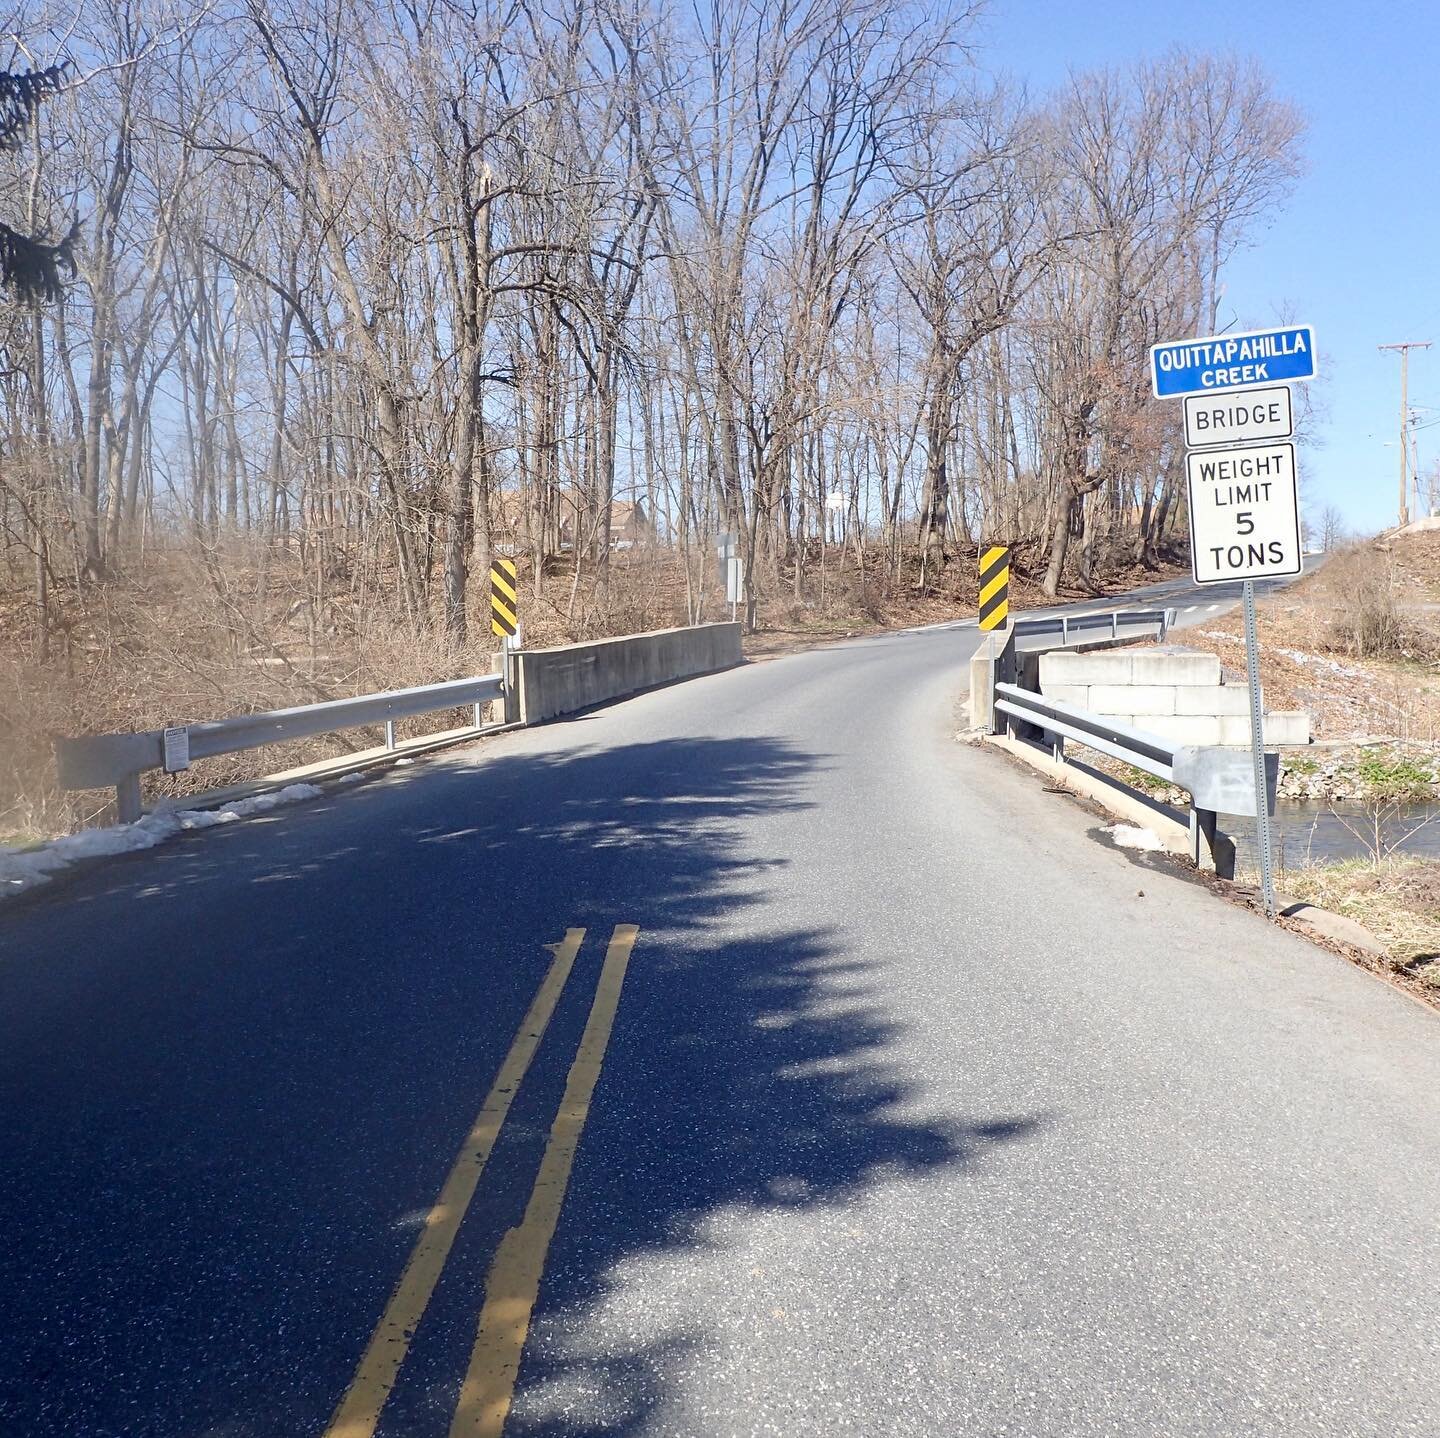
1060 539
460 503
41 488
606 418
935 499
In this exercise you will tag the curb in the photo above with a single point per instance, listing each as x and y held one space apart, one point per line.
1330 925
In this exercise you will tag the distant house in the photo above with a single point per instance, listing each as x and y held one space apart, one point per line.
513 522
629 524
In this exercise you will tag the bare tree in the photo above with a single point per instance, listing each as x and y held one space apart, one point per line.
367 292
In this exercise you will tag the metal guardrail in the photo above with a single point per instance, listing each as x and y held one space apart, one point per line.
1067 624
1004 699
1149 752
1219 780
119 759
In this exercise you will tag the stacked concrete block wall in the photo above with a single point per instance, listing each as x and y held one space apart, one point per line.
564 680
1177 693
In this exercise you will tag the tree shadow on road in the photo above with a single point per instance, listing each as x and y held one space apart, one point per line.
234 1071
768 1091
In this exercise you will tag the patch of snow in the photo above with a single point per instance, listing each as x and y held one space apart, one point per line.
1319 661
1296 656
1127 836
22 871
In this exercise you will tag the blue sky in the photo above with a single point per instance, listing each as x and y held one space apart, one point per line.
1356 250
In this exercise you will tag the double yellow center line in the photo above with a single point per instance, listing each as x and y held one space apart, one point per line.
514 1280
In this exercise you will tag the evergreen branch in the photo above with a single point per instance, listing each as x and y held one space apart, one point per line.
21 92
31 269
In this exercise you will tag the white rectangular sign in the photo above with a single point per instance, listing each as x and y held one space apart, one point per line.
176 747
1244 513
1242 418
734 580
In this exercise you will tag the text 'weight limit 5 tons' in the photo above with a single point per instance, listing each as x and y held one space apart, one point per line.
1244 514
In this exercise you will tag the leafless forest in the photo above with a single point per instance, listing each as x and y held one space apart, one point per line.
368 292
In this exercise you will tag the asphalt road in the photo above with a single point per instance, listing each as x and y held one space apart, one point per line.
908 1106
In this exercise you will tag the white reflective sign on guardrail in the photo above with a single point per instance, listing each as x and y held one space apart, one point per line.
1244 513
1256 414
176 749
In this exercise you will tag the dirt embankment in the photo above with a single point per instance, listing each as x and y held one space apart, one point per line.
1357 644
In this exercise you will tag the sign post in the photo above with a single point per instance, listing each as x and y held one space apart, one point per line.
1243 496
1257 749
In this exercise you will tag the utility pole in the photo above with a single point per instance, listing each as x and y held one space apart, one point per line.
1405 347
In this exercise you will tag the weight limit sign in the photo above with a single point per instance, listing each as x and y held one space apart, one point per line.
1244 513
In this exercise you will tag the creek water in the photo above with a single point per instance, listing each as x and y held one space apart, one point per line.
1309 833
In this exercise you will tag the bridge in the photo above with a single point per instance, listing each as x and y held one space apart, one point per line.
747 1057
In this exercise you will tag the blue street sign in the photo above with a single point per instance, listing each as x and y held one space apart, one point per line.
1232 361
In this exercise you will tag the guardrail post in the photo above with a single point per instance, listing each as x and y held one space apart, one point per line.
507 665
1114 623
389 733
476 714
1064 629
1006 672
128 808
1203 847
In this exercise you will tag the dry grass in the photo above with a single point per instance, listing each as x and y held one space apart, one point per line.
1352 644
1398 900
1377 605
186 638
1417 562
185 643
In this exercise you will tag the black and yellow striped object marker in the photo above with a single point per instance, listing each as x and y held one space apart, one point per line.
504 605
994 586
